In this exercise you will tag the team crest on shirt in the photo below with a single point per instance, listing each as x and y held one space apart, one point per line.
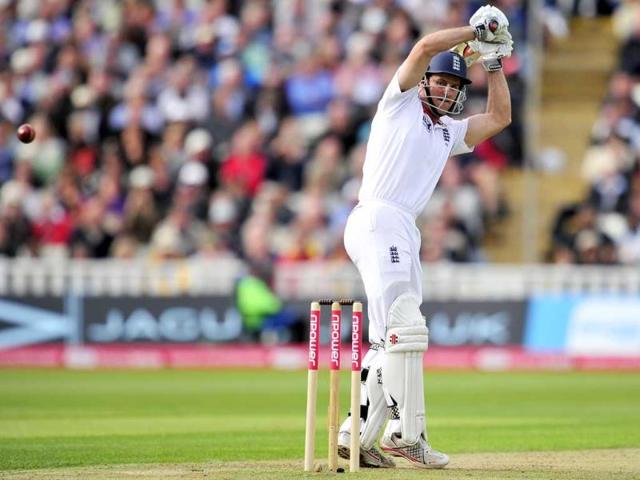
446 136
393 252
426 123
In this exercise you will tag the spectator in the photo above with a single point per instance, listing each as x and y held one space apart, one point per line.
224 221
629 242
52 227
46 153
310 87
287 156
92 234
191 189
140 212
243 170
185 99
15 227
178 235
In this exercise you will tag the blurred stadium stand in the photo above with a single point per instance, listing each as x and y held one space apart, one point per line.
600 224
236 129
574 75
172 129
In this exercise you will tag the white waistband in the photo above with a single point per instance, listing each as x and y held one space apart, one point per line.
387 203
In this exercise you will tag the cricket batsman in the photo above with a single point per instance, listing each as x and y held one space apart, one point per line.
412 135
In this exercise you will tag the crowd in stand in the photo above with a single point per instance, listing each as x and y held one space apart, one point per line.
604 228
179 128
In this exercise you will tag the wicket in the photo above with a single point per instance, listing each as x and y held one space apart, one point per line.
334 382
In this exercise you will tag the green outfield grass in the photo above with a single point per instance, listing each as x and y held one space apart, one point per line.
54 418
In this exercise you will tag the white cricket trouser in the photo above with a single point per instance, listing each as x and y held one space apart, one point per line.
384 244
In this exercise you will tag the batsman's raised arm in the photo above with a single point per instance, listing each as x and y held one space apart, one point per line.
498 114
412 69
488 24
492 51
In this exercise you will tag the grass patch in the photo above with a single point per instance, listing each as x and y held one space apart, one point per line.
57 418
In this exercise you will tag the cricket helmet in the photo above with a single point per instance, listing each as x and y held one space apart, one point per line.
452 64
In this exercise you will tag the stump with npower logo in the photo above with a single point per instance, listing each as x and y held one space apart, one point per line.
334 382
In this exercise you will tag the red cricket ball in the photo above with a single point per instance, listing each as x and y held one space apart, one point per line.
26 133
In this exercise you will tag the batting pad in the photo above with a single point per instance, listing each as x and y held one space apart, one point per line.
405 343
373 406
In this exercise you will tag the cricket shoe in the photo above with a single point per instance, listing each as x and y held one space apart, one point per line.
371 458
420 453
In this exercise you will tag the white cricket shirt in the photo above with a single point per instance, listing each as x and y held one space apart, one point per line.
406 151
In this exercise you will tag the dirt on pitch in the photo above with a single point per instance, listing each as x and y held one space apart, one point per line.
570 465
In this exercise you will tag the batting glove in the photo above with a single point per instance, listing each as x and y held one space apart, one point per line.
491 54
490 24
